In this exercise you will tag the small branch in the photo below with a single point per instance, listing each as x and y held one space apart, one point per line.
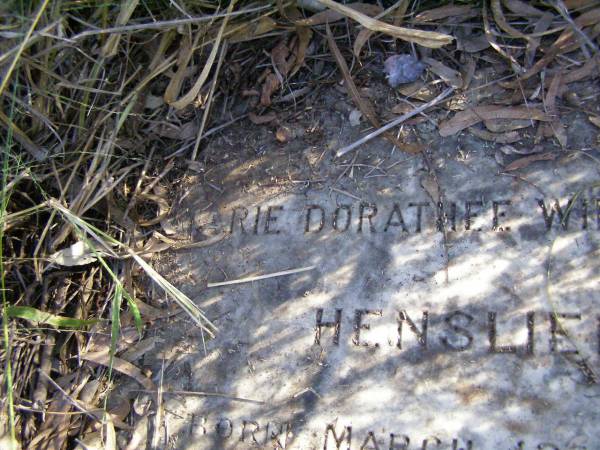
261 277
395 122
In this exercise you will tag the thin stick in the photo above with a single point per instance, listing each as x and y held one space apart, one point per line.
165 23
342 151
261 277
205 394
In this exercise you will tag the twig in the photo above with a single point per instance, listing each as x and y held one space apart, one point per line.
395 122
164 23
205 394
261 277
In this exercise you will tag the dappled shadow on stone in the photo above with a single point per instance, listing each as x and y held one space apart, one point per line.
414 356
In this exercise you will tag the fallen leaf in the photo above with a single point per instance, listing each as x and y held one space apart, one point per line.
120 365
404 107
443 12
504 125
521 163
511 150
362 38
181 133
252 30
260 120
555 126
429 39
595 120
153 102
450 76
283 134
304 37
365 34
269 87
474 43
470 117
330 15
78 254
498 138
522 9
418 90
566 42
280 54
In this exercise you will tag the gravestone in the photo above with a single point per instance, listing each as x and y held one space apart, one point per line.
439 304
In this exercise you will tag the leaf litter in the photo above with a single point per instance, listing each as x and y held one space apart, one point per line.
84 134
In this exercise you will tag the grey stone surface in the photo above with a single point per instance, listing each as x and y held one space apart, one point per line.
492 370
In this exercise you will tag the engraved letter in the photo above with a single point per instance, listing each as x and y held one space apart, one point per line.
359 325
243 214
452 321
421 335
338 440
336 325
336 218
361 215
309 210
271 219
399 222
497 214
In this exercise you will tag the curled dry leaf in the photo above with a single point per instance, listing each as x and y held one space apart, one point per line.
330 15
365 34
260 120
181 133
362 38
504 125
304 36
404 107
512 150
269 87
120 365
450 76
286 133
498 138
474 43
595 120
163 209
429 39
418 90
522 9
521 163
443 12
252 30
280 54
555 127
470 117
78 254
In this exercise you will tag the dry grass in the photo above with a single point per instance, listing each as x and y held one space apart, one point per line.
105 103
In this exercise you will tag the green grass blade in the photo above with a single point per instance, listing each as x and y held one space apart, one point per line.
35 315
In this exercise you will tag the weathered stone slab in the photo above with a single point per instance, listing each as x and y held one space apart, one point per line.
466 321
